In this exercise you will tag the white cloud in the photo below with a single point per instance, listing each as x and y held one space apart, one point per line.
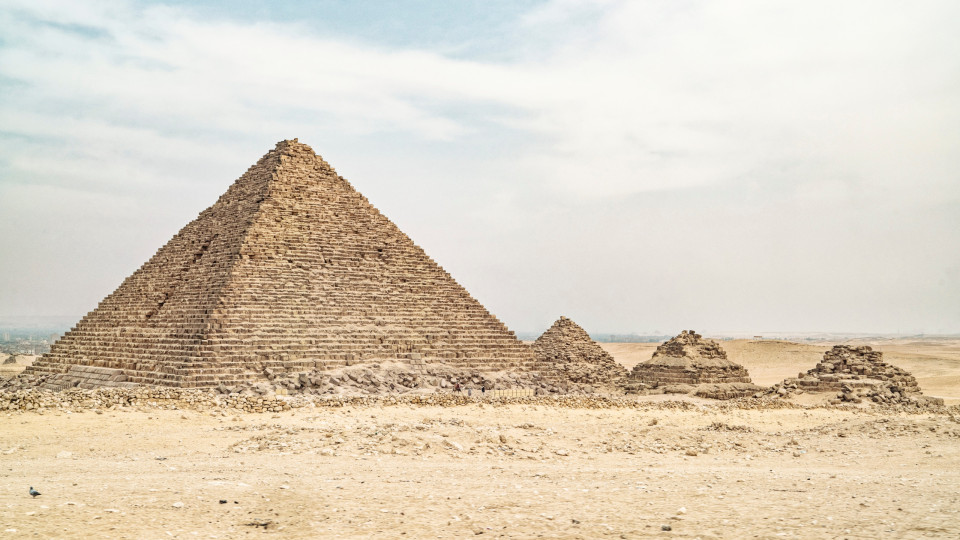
711 109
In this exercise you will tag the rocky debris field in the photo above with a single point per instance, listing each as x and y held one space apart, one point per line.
78 400
386 377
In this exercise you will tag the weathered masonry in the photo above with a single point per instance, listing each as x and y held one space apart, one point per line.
291 270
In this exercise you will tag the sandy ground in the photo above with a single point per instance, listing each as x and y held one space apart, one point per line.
934 362
518 471
13 369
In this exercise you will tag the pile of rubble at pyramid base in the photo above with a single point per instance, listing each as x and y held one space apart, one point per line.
660 371
592 374
728 390
369 378
857 375
703 377
577 367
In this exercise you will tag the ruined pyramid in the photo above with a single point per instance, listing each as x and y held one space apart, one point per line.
290 270
857 374
691 360
566 352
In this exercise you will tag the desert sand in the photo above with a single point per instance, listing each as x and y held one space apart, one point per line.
934 362
704 469
11 366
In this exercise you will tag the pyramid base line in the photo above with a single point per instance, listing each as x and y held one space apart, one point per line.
603 375
856 390
242 372
393 376
720 391
390 376
856 374
655 376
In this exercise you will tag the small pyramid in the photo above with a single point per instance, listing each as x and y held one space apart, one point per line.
291 270
689 359
858 373
566 353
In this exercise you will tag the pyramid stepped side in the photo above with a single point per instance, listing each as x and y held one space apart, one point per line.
689 359
858 374
324 279
567 353
293 270
856 367
154 326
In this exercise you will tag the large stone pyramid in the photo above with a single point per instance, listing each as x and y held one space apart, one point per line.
689 359
291 270
566 353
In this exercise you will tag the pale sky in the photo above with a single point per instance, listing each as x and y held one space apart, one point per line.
637 166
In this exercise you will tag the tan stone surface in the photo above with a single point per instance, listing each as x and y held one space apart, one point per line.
857 373
935 362
689 360
294 270
565 352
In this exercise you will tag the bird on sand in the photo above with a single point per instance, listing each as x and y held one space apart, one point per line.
33 492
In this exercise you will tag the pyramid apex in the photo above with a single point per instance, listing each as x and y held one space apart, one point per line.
564 324
291 255
293 144
567 351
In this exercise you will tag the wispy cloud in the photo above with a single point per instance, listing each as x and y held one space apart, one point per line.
709 109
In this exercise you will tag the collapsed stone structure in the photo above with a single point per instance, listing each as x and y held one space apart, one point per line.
13 365
856 373
689 359
291 271
688 362
566 353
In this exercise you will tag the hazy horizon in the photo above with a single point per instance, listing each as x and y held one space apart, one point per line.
635 166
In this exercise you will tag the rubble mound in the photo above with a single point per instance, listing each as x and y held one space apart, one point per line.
690 362
567 353
857 374
726 390
689 359
291 270
387 378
